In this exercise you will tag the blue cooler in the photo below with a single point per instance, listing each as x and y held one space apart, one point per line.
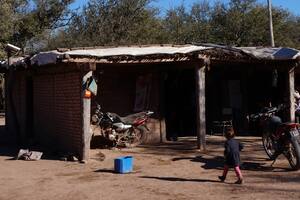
124 164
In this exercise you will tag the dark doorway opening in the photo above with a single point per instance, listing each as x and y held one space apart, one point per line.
180 103
267 90
234 94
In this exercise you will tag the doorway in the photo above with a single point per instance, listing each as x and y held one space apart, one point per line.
180 103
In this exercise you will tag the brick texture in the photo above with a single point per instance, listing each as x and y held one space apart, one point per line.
18 90
57 110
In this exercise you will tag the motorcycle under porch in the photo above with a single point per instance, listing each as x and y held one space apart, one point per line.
167 89
233 92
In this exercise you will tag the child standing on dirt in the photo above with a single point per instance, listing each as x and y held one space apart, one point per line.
232 156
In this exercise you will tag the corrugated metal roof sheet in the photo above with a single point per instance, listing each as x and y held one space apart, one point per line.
271 53
104 52
45 58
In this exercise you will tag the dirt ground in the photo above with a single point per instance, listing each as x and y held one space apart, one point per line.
171 171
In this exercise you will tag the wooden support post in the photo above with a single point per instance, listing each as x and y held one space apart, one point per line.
291 90
162 110
86 118
6 77
201 118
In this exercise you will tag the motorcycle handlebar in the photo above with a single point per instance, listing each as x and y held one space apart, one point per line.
267 111
149 112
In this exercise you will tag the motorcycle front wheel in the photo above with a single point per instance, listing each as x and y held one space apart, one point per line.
293 154
135 137
268 144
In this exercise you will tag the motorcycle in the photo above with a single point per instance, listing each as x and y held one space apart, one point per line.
128 131
279 138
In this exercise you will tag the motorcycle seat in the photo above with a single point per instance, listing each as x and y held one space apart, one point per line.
129 119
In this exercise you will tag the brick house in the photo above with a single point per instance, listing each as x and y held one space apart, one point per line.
193 83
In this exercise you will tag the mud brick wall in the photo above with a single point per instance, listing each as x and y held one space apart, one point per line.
44 124
18 90
58 111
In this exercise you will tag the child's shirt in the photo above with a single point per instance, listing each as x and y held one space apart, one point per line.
232 152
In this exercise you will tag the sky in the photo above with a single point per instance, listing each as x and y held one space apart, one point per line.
291 5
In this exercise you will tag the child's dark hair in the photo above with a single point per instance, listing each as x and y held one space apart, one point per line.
229 133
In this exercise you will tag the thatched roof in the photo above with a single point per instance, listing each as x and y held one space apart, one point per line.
163 53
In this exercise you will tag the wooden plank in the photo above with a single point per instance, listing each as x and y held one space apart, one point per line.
163 132
86 129
201 118
162 114
86 118
291 90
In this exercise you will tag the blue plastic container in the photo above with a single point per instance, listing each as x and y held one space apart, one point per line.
124 164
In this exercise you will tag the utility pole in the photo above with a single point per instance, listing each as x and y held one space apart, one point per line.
271 23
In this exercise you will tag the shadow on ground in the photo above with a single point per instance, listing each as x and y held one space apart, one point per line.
110 171
217 162
187 145
179 179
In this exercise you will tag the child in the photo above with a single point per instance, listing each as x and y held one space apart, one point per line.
232 156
